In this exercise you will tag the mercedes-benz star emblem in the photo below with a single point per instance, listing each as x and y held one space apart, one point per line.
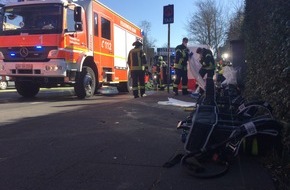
23 52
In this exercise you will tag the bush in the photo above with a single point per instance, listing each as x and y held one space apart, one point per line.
267 42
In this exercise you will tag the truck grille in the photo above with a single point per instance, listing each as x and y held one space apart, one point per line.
26 54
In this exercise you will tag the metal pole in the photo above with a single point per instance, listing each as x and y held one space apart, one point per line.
168 59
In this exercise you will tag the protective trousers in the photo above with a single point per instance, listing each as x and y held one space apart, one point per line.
164 76
181 74
138 77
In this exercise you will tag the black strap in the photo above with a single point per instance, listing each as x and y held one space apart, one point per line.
207 168
173 161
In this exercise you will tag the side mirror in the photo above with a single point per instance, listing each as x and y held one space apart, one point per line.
78 14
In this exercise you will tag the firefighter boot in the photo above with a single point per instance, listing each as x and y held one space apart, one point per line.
135 93
175 91
184 92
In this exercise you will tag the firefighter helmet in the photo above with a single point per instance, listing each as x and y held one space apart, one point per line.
160 58
138 42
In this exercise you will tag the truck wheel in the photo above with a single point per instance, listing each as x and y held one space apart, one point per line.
3 85
27 89
125 86
86 83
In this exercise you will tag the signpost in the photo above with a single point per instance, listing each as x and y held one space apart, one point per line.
168 14
168 18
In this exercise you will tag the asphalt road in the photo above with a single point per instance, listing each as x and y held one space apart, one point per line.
57 142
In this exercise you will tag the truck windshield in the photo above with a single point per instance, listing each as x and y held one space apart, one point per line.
31 19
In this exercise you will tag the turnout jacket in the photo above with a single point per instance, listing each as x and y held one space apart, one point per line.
181 52
159 65
137 59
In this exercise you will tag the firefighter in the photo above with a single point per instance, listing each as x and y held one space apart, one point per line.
180 66
137 62
159 68
207 64
219 72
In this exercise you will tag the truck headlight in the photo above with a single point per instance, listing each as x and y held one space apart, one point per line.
53 67
53 54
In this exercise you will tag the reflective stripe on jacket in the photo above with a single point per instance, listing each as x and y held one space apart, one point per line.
181 59
137 59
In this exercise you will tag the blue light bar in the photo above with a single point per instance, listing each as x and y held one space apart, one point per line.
12 54
38 47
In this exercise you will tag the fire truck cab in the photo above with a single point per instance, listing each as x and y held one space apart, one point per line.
50 43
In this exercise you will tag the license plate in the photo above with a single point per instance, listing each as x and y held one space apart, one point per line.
24 66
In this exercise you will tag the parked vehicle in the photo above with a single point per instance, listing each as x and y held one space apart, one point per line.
6 82
50 43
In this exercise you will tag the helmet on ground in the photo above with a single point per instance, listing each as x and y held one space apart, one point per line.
160 58
138 42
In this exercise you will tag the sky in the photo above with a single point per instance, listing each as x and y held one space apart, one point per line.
152 11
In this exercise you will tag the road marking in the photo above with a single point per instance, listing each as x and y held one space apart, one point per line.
36 102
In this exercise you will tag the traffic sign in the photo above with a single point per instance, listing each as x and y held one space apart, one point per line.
168 14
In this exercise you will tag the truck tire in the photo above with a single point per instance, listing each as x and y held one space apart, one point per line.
3 85
27 89
85 84
125 86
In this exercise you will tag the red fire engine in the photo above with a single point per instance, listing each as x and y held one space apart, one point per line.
49 43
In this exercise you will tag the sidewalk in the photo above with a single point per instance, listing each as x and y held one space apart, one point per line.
245 173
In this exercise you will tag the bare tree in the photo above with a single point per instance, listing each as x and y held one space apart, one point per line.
234 31
207 25
147 41
236 22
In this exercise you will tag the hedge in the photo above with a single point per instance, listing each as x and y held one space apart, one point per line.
267 42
